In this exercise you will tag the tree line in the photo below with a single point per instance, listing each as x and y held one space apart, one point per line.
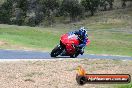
33 12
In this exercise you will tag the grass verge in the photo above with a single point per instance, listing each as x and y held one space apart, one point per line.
125 86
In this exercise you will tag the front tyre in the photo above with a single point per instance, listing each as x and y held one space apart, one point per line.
56 51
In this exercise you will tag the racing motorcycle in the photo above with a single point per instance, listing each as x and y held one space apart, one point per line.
67 46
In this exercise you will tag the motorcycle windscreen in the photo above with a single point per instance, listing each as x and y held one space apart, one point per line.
69 39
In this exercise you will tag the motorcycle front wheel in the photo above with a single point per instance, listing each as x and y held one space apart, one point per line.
56 51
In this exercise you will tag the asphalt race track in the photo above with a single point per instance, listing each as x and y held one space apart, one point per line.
20 54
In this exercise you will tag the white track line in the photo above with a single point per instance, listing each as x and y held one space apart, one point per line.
109 55
12 60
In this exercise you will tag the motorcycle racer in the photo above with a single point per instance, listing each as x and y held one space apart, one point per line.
83 38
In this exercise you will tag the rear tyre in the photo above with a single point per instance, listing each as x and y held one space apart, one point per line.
74 55
56 51
77 52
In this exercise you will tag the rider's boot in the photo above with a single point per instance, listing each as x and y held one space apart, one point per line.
81 51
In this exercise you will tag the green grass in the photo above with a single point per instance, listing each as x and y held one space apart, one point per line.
124 86
102 41
111 43
29 37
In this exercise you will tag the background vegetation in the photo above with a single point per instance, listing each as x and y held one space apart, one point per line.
47 12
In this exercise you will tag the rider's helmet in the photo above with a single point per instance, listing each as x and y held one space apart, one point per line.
82 32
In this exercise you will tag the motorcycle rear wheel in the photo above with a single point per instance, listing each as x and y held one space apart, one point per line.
74 55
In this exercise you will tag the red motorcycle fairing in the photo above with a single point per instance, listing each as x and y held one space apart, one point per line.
68 40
